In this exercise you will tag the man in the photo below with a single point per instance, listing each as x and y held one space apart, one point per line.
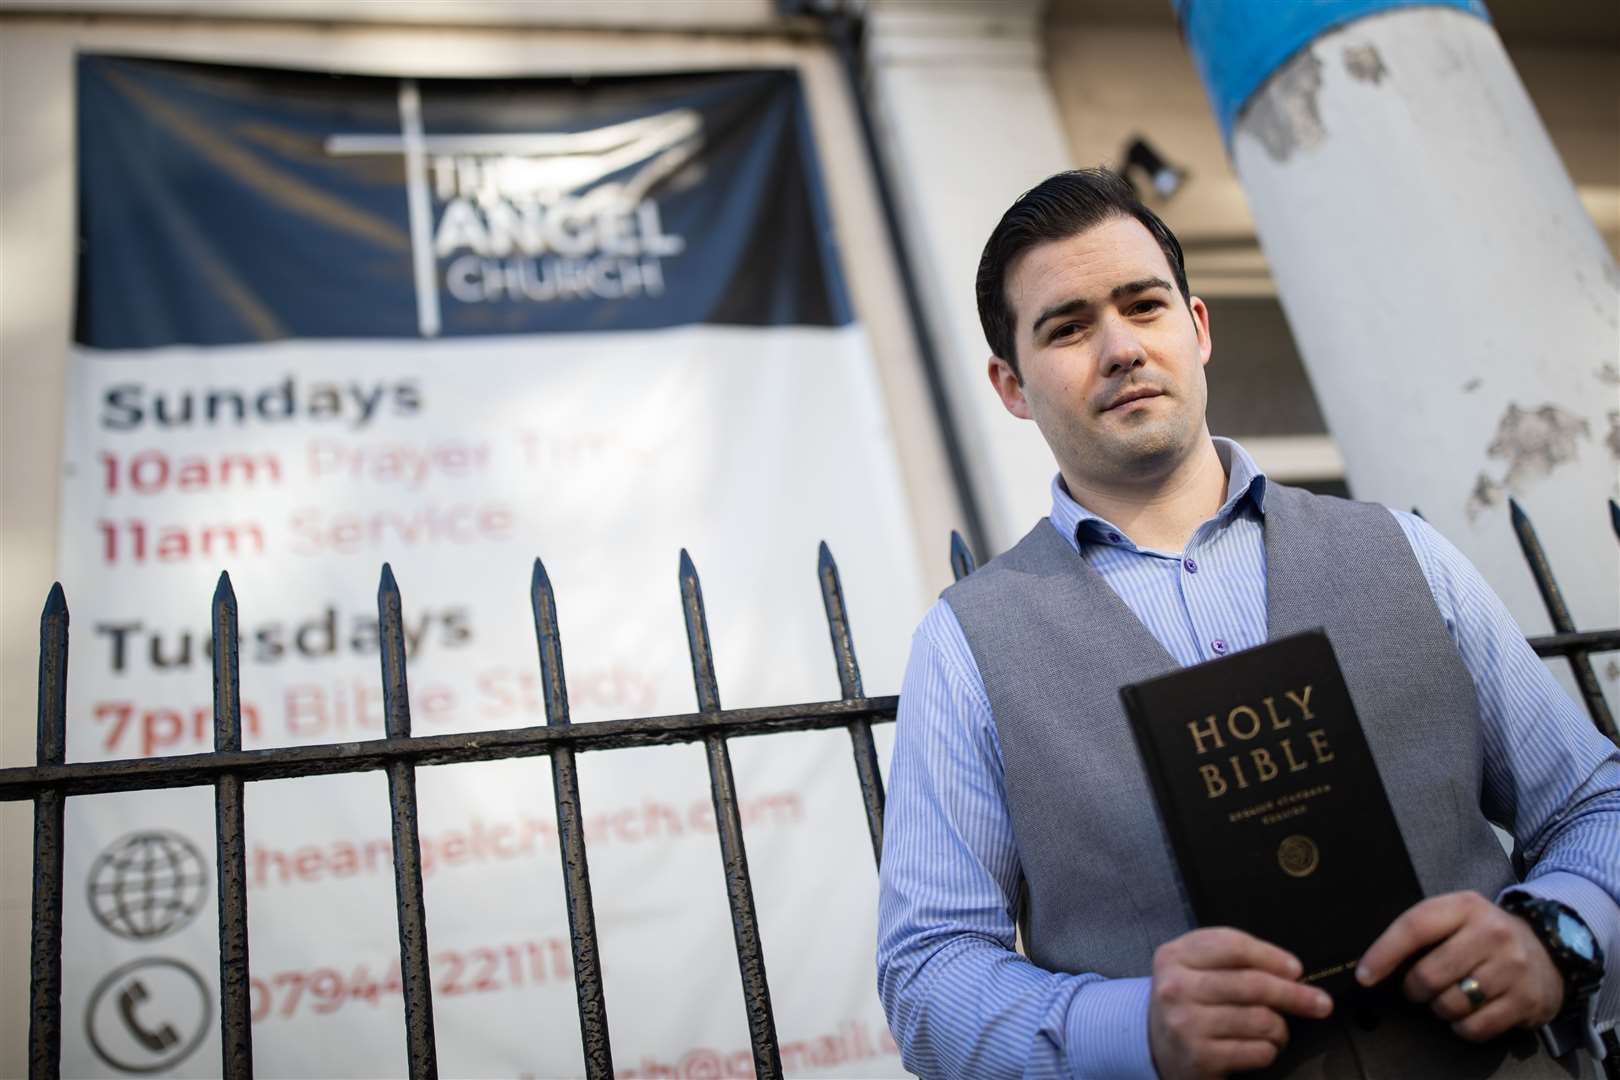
1016 791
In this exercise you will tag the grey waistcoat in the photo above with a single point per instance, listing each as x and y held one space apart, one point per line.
1054 643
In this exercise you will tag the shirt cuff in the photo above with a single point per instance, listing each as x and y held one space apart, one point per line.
1106 1031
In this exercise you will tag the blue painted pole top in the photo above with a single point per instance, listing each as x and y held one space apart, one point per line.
1237 44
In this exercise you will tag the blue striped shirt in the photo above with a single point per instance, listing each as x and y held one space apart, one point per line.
962 1002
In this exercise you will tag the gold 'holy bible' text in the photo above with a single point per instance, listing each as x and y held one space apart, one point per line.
1241 725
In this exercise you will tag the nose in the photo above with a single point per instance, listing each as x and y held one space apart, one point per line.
1120 348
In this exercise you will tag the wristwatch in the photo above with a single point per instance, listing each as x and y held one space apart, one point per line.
1575 952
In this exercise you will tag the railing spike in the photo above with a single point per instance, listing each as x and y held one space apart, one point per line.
962 561
224 591
227 689
421 1051
593 1024
832 598
697 635
728 826
227 666
230 842
543 605
45 946
1552 597
1614 517
391 642
51 733
849 683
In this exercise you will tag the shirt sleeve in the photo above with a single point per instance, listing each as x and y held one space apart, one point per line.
960 1001
1550 778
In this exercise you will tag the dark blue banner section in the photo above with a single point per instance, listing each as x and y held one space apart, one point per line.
222 205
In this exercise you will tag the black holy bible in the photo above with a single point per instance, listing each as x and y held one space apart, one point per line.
1273 803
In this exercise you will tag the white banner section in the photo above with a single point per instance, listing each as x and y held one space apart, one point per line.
301 467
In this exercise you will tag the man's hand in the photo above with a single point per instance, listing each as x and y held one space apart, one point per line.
1218 1001
1472 937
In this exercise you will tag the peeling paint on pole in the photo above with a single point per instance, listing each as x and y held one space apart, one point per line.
1532 443
1364 63
1283 115
1536 441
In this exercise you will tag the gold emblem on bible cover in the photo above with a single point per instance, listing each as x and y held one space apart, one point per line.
1297 855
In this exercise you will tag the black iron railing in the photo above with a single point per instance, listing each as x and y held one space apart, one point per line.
228 768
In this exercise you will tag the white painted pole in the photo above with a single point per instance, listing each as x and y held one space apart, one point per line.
1456 309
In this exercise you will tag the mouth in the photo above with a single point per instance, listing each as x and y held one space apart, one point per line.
1135 393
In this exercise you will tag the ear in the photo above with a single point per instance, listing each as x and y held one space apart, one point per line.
1200 317
1008 387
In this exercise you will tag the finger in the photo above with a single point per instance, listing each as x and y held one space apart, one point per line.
1444 966
1451 1004
1247 1022
1221 947
1498 981
1259 988
1421 925
1238 1055
1491 1019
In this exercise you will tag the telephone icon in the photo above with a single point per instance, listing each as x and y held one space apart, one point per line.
156 1039
148 1015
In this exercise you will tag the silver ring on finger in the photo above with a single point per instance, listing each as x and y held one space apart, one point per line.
1473 992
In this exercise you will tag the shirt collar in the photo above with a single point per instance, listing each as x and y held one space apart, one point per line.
1245 482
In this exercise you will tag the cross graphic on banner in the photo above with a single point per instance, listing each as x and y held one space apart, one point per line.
547 167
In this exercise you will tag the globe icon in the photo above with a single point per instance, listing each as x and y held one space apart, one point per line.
147 884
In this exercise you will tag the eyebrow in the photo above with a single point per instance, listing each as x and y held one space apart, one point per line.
1081 303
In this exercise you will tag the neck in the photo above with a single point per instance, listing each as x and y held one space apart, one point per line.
1160 511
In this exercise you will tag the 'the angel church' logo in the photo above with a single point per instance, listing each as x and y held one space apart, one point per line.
532 217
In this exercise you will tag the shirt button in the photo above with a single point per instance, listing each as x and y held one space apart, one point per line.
1191 565
1115 537
1219 646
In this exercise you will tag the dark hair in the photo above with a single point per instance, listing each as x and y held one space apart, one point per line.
1057 208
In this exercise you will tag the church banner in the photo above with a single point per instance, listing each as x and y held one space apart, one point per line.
325 322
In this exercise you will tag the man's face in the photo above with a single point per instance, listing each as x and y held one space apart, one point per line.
1112 359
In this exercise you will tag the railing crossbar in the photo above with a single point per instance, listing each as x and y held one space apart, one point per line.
325 759
1576 641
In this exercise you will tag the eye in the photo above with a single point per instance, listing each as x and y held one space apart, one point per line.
1066 330
1143 307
